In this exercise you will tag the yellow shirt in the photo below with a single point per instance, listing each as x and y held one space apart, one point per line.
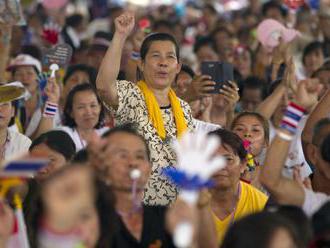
251 201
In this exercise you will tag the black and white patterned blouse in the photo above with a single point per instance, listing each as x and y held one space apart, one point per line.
132 109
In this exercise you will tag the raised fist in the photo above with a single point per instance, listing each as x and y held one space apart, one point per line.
125 23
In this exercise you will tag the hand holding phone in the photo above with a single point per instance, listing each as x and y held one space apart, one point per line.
220 73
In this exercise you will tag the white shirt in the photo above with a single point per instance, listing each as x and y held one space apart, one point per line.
296 154
16 145
78 141
314 201
205 126
35 120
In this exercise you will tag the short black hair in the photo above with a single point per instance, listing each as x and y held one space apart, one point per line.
273 5
300 221
231 139
68 120
81 157
310 48
56 140
256 231
147 42
204 41
187 69
129 128
253 82
32 50
91 72
158 37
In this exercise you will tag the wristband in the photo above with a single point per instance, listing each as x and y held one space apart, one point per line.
291 117
135 55
284 136
50 109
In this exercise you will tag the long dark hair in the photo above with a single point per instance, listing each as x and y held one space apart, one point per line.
232 140
147 42
68 120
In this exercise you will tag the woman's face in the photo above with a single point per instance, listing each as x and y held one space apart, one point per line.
6 113
182 82
249 128
85 109
28 76
313 61
88 227
160 65
56 160
242 62
229 176
76 78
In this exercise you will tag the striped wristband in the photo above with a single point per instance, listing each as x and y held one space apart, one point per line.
135 55
292 117
50 109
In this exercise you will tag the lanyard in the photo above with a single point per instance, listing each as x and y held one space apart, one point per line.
232 216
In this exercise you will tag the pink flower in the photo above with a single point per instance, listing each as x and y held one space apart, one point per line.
246 144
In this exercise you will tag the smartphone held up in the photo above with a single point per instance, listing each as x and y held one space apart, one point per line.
220 72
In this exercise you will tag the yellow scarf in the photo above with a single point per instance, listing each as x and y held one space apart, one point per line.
155 114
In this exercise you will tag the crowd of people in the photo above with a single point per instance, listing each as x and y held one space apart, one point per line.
140 150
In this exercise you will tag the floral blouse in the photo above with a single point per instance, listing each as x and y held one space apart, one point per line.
132 109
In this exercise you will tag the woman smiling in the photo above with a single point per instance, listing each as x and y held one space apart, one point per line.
151 103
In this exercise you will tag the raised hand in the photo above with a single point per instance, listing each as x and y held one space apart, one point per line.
307 93
52 90
195 155
290 79
281 53
124 24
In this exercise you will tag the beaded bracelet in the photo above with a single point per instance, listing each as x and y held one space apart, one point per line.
291 117
50 109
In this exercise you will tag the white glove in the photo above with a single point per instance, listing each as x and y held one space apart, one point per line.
196 154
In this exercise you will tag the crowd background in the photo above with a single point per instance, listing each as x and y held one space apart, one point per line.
107 118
